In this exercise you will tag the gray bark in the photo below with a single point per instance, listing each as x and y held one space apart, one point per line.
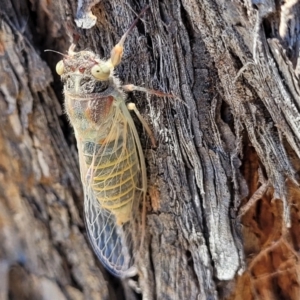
230 137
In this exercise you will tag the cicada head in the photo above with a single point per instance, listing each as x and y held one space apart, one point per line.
84 72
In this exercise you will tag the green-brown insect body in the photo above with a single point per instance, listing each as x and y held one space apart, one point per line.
112 164
111 160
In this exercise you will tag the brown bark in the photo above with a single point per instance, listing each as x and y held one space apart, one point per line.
233 138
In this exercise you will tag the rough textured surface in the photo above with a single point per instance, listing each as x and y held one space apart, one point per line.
233 138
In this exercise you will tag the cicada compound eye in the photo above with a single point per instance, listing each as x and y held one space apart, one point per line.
60 67
101 72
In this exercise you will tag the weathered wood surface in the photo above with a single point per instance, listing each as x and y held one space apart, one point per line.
235 139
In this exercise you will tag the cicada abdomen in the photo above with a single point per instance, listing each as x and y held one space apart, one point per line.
111 159
113 171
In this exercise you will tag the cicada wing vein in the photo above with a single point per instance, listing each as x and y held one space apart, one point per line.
111 243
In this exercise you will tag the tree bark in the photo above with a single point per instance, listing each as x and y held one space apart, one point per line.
223 184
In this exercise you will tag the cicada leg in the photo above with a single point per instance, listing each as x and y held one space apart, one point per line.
132 87
131 106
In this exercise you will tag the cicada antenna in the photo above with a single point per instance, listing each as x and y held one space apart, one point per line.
133 24
49 50
117 51
74 36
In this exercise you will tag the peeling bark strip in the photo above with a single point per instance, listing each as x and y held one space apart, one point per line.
235 64
84 16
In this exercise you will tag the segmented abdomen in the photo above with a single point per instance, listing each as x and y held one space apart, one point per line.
113 169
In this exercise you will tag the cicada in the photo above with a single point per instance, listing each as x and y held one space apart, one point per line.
112 163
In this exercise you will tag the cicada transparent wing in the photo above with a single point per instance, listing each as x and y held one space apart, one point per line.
112 244
113 180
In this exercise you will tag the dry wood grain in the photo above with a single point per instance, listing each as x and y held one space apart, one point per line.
235 67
